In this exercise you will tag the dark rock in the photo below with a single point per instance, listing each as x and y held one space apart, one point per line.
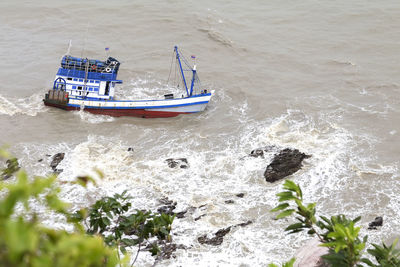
11 168
130 149
48 155
244 224
57 158
169 249
181 214
198 218
230 201
219 235
377 222
259 152
40 160
178 162
166 201
287 162
217 239
168 207
240 195
58 171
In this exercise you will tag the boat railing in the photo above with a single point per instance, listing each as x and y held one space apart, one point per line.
91 75
71 63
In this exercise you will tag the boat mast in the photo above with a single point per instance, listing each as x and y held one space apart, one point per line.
180 66
193 78
86 76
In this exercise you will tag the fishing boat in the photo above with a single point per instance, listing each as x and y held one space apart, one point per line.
89 85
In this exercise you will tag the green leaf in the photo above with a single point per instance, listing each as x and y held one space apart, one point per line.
295 226
285 213
123 249
280 207
154 250
285 196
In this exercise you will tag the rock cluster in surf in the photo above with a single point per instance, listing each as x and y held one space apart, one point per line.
178 162
57 158
285 163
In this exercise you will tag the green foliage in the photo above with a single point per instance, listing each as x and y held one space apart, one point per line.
386 256
286 264
12 167
25 242
338 233
110 217
306 219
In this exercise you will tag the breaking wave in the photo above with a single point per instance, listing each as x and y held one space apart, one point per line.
219 170
30 106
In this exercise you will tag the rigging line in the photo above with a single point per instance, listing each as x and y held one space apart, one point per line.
175 72
170 68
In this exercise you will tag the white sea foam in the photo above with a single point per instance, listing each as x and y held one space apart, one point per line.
30 106
218 172
92 118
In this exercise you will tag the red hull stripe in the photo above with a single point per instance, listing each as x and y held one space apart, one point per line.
142 113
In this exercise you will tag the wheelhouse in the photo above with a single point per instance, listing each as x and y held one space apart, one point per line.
87 78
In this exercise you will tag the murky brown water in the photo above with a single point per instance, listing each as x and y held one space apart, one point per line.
322 77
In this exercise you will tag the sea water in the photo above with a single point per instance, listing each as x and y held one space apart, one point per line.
321 77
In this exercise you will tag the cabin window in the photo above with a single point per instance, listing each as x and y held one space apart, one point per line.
81 80
75 80
97 81
79 87
69 79
73 86
91 81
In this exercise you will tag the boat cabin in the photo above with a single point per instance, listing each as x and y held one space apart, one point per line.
87 78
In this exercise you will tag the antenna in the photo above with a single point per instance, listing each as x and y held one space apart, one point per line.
69 48
107 49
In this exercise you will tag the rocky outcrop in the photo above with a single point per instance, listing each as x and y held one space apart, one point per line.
168 207
218 237
310 255
178 162
169 249
377 222
287 162
57 158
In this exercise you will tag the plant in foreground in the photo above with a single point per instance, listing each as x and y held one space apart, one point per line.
109 225
111 218
338 233
25 242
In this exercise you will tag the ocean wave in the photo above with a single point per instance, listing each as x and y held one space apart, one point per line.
216 36
218 169
30 106
93 118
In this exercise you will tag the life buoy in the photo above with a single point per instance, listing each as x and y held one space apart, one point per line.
108 69
93 67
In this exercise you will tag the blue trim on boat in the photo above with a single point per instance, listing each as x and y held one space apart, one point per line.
149 100
143 107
